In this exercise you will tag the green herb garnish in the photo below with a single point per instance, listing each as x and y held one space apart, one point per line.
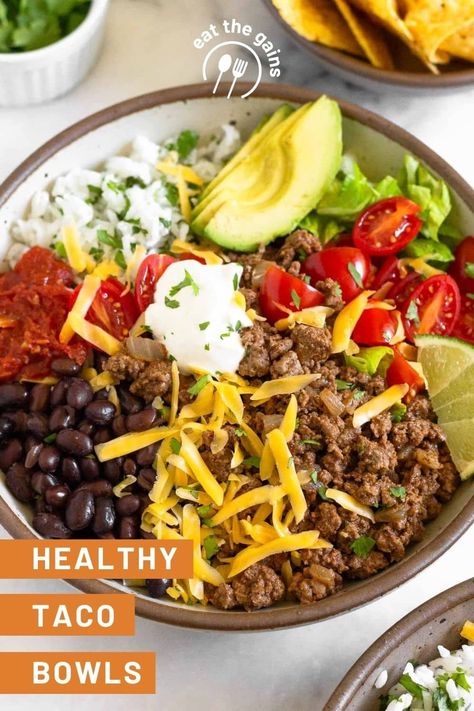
211 546
171 303
50 438
172 195
175 445
252 462
199 385
344 385
187 281
355 274
296 299
362 546
412 687
399 492
204 325
119 258
412 313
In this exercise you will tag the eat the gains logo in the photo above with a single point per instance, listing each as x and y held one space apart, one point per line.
233 52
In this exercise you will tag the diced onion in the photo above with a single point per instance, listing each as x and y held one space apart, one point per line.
144 348
332 402
259 271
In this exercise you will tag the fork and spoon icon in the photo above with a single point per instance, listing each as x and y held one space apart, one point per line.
238 70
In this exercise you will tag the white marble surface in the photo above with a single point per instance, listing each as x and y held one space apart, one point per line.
149 46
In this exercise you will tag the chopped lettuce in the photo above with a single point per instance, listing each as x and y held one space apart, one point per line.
371 360
430 250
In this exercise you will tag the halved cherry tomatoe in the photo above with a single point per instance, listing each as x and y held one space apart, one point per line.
389 271
462 269
387 226
346 265
464 326
149 272
400 371
113 309
433 307
376 327
282 289
404 288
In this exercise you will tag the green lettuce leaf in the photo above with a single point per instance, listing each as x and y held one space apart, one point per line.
371 360
429 249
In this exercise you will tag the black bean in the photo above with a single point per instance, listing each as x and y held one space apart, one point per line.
70 471
100 359
62 417
56 496
101 394
118 426
86 427
101 412
113 470
37 424
10 452
74 442
158 587
40 481
13 395
90 469
106 536
129 467
32 455
49 458
98 488
30 442
18 419
39 397
64 366
40 506
50 526
102 435
146 479
127 505
128 527
146 456
58 393
145 501
6 427
79 394
18 481
130 403
79 510
104 518
141 421
147 535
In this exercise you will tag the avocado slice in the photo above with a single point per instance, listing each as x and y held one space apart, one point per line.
281 180
257 135
251 171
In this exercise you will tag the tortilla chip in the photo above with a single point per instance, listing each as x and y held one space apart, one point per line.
367 35
387 13
461 44
432 22
319 21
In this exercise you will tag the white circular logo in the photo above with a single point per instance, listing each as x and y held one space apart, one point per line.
233 61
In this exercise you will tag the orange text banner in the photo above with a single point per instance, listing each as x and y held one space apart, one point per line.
65 615
89 559
77 673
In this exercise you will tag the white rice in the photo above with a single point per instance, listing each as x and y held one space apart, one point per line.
127 198
445 683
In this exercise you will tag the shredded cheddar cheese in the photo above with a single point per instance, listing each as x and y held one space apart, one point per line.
349 503
312 316
346 321
181 247
84 300
468 631
286 469
183 192
77 258
131 442
378 404
99 338
174 392
201 471
283 386
188 173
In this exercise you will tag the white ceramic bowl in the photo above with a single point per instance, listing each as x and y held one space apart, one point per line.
379 147
44 74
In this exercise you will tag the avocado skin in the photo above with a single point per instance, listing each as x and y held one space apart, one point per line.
277 182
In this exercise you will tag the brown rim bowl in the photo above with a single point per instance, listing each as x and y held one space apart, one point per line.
410 75
375 141
416 636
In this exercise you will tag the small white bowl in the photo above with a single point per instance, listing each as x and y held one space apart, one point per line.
43 74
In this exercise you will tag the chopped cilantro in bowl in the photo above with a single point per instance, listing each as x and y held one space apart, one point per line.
26 25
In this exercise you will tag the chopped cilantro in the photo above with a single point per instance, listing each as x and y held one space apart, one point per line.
226 334
199 384
171 303
60 249
96 253
95 192
469 269
399 492
115 187
337 290
252 462
146 329
171 357
239 432
172 195
412 313
132 180
111 240
301 255
344 385
166 223
306 279
211 546
355 274
470 296
314 477
322 491
358 395
207 347
186 142
236 282
362 546
238 326
119 259
204 325
50 438
296 299
412 687
187 281
316 442
398 412
175 445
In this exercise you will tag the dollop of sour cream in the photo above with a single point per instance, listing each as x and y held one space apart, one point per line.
196 316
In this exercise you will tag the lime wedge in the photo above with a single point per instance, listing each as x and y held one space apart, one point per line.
448 366
461 445
443 359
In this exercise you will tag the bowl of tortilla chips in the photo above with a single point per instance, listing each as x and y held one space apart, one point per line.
410 44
